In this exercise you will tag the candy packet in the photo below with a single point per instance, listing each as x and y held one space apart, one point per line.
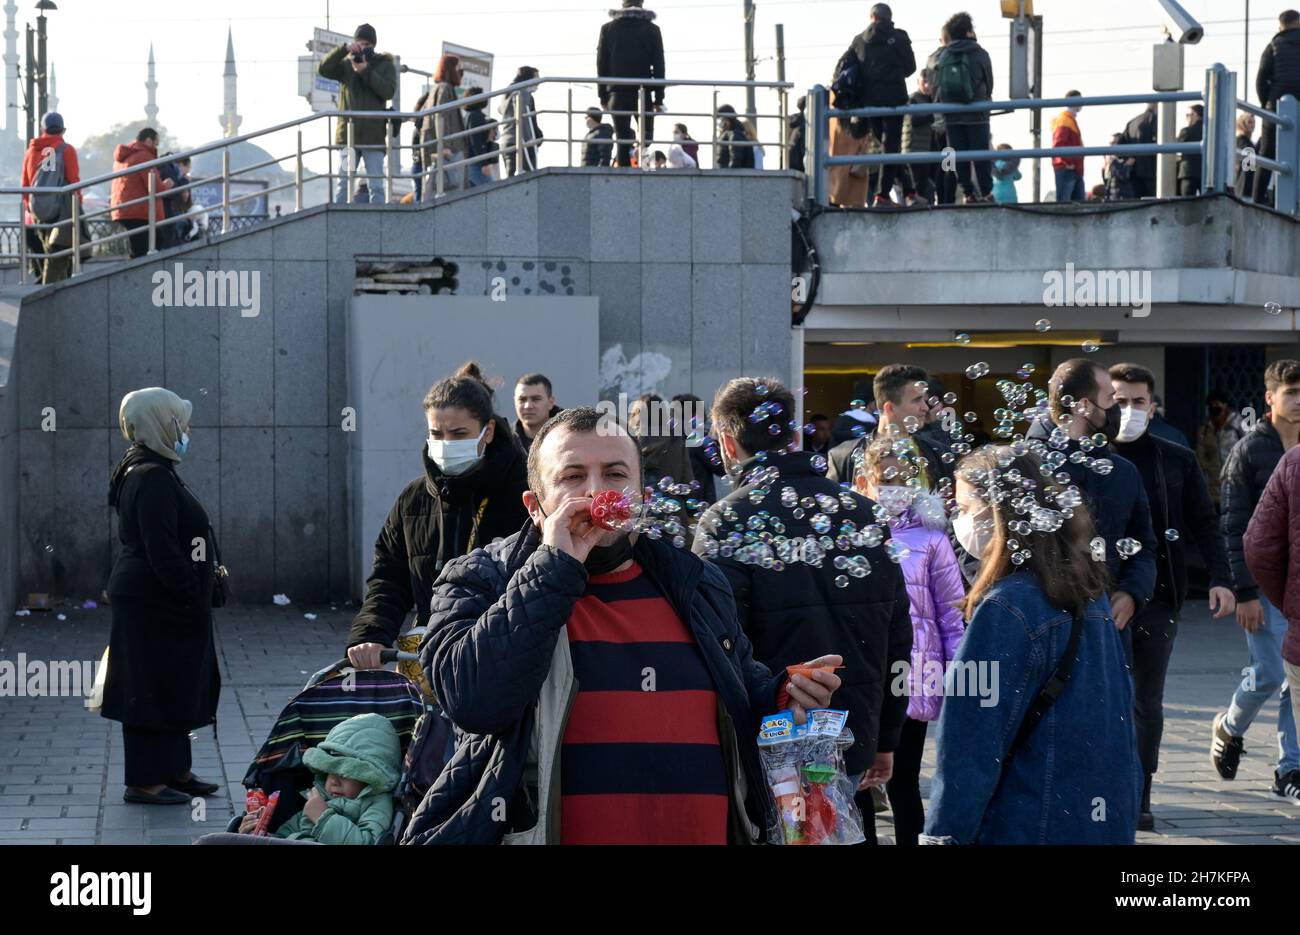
804 765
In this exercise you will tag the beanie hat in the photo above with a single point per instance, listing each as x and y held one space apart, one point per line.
367 32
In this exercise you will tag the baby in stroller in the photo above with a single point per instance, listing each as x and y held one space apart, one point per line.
355 769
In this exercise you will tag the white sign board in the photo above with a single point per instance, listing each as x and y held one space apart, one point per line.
321 93
477 65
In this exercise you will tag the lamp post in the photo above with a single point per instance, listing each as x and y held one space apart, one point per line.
42 67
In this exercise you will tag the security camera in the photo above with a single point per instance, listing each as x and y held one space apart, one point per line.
1180 24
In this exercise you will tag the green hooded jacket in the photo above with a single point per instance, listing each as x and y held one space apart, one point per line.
364 748
370 90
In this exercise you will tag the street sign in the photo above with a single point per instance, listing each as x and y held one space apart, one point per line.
321 93
477 65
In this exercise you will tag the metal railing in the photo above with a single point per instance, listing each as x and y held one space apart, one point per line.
445 169
1217 148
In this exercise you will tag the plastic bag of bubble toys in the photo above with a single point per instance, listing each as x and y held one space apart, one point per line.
804 765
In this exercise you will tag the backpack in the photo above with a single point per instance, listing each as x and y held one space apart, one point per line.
956 86
51 207
849 88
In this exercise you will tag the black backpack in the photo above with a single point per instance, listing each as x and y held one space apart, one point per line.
51 207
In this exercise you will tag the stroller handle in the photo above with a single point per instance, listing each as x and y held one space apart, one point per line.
385 656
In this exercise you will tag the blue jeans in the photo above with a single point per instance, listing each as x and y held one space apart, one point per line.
1263 677
1069 185
371 176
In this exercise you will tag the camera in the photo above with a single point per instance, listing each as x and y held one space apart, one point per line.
364 55
1182 27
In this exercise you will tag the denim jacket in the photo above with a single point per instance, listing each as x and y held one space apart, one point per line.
1077 779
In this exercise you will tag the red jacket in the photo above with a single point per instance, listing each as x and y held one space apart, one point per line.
136 185
1272 543
1065 132
32 163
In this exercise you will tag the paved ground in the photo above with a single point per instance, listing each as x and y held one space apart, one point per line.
61 766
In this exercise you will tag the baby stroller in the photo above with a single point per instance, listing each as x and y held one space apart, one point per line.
331 696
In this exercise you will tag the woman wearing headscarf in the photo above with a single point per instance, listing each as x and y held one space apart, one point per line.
469 493
162 679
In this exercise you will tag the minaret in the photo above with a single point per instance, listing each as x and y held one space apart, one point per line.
151 103
230 119
11 101
54 89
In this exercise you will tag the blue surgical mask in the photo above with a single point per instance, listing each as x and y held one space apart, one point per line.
182 444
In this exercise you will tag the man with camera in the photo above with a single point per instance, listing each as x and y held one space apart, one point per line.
367 80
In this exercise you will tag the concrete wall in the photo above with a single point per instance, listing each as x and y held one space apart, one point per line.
689 267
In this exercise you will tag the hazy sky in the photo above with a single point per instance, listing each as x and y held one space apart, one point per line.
99 50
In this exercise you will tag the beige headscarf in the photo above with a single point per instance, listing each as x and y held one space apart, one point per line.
154 417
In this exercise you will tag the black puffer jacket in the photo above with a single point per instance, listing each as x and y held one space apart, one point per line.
1179 500
1279 67
1245 475
630 46
497 616
730 155
798 613
887 61
435 519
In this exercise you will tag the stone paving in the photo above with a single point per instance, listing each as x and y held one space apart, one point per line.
61 765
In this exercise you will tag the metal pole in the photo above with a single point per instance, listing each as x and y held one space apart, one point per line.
22 246
1219 133
388 162
784 97
1036 116
225 191
1288 151
1246 67
31 83
42 73
76 234
297 176
818 130
641 153
437 140
750 108
713 147
153 212
519 132
780 52
569 123
351 153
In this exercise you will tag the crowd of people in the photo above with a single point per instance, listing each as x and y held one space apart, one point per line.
1022 595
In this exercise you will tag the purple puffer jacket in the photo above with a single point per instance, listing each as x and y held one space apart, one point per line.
934 588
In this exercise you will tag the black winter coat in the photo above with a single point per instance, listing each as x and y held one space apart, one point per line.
435 519
1180 500
1189 164
1279 67
496 619
887 61
1120 511
162 671
731 156
597 146
630 46
842 456
1142 129
798 613
1245 475
795 138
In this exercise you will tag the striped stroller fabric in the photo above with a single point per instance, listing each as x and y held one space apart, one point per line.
311 715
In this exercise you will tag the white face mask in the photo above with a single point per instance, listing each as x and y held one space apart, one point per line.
895 498
972 531
1132 423
456 457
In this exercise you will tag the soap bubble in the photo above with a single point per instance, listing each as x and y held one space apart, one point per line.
679 541
1273 308
949 398
1127 548
774 429
203 391
971 416
1091 347
1042 325
761 389
1103 466
841 581
820 522
1171 535
1098 547
858 404
977 370
962 337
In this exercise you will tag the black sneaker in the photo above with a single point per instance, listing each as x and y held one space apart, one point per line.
1288 786
1225 749
1146 821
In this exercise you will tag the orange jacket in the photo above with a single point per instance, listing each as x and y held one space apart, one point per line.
136 185
1065 132
32 163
